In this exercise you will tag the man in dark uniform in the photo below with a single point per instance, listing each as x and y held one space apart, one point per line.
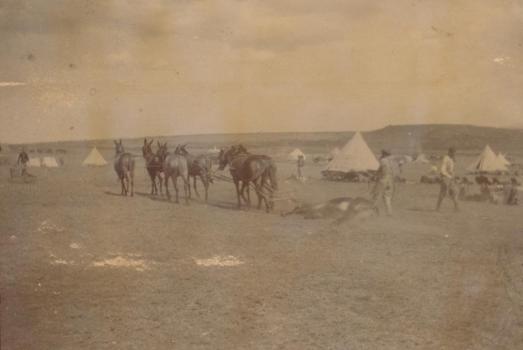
22 161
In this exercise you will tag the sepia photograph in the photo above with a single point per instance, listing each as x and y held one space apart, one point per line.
248 174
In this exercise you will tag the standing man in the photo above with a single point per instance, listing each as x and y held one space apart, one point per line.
300 164
448 181
23 158
384 182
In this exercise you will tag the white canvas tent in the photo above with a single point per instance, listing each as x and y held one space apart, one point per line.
354 156
421 158
34 162
213 150
502 159
49 162
94 158
401 159
335 151
296 153
487 162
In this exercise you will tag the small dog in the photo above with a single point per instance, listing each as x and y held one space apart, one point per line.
342 209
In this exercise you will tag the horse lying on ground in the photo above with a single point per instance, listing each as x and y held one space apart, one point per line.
341 209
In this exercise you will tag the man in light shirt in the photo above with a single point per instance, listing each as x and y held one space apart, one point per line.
448 182
385 182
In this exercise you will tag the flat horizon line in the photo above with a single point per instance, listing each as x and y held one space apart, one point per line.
263 132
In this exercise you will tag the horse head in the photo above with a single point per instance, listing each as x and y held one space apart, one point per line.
180 150
162 151
183 151
147 148
119 147
224 157
241 149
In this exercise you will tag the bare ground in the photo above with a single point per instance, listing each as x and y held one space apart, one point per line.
83 268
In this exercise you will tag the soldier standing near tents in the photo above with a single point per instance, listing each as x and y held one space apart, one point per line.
448 183
300 163
384 187
22 161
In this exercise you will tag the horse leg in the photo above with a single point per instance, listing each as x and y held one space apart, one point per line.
154 189
257 189
187 187
160 182
245 186
206 186
127 181
268 203
132 182
123 184
190 194
175 184
153 181
195 186
238 193
166 179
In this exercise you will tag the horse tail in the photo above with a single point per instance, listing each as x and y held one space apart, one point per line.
272 175
208 169
131 164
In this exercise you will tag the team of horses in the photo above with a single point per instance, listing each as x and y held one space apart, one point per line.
247 171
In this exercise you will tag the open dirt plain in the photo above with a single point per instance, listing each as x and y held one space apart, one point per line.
84 268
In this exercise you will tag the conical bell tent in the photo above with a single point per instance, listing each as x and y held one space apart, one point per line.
94 158
355 156
487 162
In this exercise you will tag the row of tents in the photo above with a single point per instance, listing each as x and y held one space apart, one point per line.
488 161
48 162
94 158
356 156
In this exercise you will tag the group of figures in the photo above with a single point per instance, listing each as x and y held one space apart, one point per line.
247 170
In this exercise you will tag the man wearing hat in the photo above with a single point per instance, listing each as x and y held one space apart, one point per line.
448 183
385 182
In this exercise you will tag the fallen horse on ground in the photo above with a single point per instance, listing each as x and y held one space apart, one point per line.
341 209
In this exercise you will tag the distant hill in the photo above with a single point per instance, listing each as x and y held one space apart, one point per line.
465 138
396 138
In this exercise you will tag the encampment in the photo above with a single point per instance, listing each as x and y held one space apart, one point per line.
50 162
294 155
401 159
34 162
94 158
213 150
487 162
421 158
354 157
334 152
502 159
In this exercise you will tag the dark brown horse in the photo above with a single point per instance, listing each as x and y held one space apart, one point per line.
199 166
174 166
153 166
246 168
124 167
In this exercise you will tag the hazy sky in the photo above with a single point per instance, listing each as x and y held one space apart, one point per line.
75 69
